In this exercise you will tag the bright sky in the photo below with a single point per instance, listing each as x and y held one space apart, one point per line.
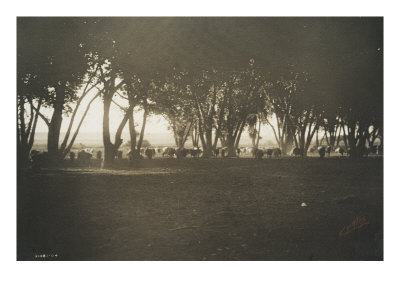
94 118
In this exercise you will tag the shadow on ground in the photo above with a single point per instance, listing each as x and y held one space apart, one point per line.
199 209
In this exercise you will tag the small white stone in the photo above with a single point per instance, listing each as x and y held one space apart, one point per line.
303 204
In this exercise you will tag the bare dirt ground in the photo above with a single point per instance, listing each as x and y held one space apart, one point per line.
204 209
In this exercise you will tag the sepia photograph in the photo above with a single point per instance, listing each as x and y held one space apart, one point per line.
199 150
199 138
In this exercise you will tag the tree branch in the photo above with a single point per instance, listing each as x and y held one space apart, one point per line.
273 129
68 149
33 130
122 96
47 121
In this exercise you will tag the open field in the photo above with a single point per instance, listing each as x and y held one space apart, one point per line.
204 209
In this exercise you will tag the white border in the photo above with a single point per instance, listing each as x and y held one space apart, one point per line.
197 280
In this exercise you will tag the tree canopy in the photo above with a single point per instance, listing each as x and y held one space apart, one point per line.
214 76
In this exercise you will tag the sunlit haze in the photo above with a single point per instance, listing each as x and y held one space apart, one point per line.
156 131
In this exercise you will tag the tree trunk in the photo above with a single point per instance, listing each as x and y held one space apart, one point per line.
118 134
231 146
362 140
209 142
206 141
195 136
238 138
338 139
289 139
65 151
258 132
207 152
224 142
216 138
302 143
345 138
278 138
352 141
201 136
55 124
26 136
108 146
310 136
253 141
33 129
23 156
132 131
139 144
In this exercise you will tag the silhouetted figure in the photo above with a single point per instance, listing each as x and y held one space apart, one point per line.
132 155
84 157
149 153
296 152
340 150
72 156
182 152
380 149
328 150
195 152
277 152
321 152
223 150
258 153
38 160
169 151
254 151
99 155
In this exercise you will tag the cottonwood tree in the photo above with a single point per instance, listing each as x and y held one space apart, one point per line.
112 83
173 101
108 52
306 110
359 82
295 102
222 90
359 116
277 94
204 95
241 97
67 143
254 122
53 51
362 109
139 93
31 94
123 47
332 124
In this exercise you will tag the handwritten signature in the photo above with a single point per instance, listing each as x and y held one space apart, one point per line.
357 223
